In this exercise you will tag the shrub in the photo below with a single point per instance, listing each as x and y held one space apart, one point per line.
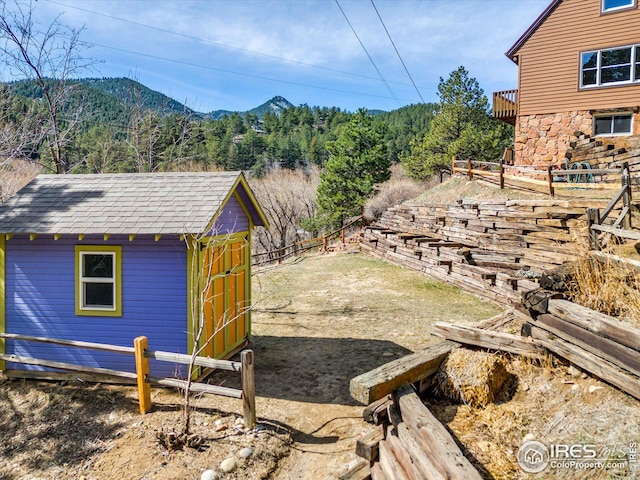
391 193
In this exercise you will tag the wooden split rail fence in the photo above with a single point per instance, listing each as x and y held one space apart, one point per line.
542 181
324 243
143 376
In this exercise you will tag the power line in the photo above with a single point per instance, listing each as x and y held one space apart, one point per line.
368 56
397 52
217 44
207 67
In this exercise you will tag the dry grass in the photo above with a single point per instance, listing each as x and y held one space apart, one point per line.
471 377
609 287
391 193
451 190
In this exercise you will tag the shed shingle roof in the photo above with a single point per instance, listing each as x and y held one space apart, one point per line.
153 203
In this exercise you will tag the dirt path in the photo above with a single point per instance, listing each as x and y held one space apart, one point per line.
318 322
324 320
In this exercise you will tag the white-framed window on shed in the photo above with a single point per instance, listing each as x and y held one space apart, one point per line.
613 124
615 5
98 280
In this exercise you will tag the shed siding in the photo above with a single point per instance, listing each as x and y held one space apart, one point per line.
40 295
549 63
232 218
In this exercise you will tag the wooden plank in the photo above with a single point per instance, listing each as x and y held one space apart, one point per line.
196 387
68 377
199 361
598 323
71 343
488 339
360 471
377 473
404 458
417 452
377 383
389 464
67 366
367 446
589 362
618 232
441 448
615 353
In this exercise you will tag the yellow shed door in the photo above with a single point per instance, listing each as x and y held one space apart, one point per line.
226 298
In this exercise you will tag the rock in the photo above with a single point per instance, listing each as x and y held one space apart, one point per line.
240 421
229 465
528 437
245 452
573 371
575 387
594 388
209 475
387 354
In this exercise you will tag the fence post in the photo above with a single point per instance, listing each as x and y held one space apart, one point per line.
502 173
469 172
453 165
550 179
324 242
626 196
248 389
141 345
593 218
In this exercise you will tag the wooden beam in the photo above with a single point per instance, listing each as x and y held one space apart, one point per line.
360 471
199 361
417 452
142 372
66 366
598 323
620 355
377 383
248 389
479 337
389 464
71 343
367 446
197 387
589 362
444 453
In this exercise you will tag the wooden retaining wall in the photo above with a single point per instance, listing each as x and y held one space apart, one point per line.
488 247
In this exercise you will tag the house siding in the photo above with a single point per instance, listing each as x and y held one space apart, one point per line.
232 218
549 61
40 296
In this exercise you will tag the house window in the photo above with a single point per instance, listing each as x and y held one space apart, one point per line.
608 67
613 5
607 125
98 280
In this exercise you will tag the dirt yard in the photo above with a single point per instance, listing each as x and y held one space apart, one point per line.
318 322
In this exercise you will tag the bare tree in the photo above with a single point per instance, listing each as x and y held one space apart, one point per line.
287 197
50 57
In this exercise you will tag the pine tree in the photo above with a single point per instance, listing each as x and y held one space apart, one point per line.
357 162
462 128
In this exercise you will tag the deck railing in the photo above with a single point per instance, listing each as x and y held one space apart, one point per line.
505 106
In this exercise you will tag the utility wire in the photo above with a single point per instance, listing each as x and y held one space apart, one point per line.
207 67
397 52
217 44
369 56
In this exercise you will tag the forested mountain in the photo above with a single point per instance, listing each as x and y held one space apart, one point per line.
124 126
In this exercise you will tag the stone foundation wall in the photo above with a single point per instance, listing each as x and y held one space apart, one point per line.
545 139
542 140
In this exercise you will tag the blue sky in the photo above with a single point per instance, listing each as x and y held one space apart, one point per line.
236 54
